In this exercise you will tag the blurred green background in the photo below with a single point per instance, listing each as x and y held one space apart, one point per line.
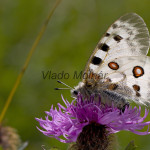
69 40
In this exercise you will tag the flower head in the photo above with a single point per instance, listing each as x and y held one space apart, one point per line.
9 138
70 120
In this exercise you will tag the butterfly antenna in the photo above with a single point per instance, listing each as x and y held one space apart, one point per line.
63 84
62 89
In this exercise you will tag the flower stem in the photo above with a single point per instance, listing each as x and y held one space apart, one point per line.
39 36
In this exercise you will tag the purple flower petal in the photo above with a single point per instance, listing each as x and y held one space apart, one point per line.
68 121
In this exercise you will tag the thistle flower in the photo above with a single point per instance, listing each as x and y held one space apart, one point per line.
86 116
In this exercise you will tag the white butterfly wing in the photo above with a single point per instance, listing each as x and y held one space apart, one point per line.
133 72
121 56
128 36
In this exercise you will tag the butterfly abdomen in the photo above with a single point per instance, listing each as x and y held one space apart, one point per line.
110 97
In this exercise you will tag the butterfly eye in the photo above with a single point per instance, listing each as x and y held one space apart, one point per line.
75 92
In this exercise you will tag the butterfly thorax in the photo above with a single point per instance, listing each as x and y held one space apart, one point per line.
107 91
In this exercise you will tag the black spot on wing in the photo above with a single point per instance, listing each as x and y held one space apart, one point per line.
103 46
138 94
118 38
107 34
96 60
114 26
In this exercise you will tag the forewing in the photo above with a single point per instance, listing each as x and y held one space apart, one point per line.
128 36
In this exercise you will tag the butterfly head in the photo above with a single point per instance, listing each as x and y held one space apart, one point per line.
78 89
83 88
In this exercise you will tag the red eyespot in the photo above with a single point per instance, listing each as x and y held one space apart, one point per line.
138 71
113 65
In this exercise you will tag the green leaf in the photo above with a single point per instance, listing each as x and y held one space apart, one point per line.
131 146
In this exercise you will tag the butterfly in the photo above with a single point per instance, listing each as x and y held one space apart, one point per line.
121 56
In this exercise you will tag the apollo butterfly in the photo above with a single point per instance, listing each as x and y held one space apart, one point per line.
121 55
